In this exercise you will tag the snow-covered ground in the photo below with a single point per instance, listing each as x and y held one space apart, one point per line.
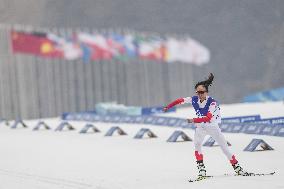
55 160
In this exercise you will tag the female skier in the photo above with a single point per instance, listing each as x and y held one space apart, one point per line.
207 123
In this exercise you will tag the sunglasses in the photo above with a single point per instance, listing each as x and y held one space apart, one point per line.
201 92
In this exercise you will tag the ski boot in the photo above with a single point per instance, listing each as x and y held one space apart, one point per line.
201 168
237 168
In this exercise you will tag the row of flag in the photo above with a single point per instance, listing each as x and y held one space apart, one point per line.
111 46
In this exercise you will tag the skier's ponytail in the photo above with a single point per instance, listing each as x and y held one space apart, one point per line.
206 83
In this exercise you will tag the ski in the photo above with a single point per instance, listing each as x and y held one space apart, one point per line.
200 178
251 174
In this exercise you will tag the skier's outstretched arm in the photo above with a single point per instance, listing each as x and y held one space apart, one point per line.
178 101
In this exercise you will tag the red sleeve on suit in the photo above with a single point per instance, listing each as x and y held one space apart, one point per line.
206 118
177 101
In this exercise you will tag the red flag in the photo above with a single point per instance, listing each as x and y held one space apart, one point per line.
34 43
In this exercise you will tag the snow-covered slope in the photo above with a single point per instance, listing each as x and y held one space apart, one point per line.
54 160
